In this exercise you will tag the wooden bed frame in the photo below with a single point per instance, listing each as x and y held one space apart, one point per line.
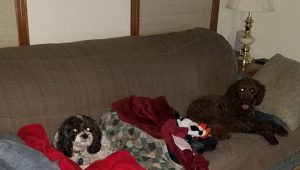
22 19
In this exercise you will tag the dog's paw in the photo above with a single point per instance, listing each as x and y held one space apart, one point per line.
271 140
282 131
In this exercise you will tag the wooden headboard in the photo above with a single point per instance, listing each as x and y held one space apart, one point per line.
211 7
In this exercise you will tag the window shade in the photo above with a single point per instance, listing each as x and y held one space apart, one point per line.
162 16
8 24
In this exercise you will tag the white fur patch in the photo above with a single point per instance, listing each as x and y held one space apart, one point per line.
79 117
55 139
80 143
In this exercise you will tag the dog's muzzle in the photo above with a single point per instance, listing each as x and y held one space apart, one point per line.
245 106
83 139
84 136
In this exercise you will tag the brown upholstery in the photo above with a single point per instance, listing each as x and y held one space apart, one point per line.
46 83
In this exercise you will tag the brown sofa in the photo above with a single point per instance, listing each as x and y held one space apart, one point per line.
47 83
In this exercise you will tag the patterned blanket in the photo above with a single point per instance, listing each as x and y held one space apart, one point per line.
150 152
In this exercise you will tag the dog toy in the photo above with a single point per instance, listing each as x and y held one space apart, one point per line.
195 130
199 136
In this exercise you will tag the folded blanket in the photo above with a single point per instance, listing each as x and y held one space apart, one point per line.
150 152
145 113
35 136
157 118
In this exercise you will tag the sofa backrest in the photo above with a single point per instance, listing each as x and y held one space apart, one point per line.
47 83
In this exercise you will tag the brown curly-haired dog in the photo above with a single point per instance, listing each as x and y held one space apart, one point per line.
234 112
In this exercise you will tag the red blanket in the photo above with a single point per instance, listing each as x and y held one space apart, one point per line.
35 136
157 118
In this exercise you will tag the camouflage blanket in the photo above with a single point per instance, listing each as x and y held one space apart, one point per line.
150 152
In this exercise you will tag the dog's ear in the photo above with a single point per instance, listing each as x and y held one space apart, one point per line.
260 92
232 92
64 143
97 136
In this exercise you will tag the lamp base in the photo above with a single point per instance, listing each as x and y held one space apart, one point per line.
245 59
247 39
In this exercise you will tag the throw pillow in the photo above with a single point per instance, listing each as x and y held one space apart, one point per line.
281 76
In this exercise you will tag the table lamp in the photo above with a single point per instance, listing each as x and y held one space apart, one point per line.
247 39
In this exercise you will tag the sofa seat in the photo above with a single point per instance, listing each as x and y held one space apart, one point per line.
249 151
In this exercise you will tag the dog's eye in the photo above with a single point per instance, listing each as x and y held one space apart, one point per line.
88 129
242 89
75 130
252 90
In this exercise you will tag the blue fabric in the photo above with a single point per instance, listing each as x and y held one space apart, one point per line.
242 75
15 155
268 117
289 163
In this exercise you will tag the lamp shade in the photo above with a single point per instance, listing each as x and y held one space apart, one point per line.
251 5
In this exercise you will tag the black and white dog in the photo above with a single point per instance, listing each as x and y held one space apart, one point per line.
81 139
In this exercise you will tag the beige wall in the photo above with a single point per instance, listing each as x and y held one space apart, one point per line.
274 32
8 24
53 21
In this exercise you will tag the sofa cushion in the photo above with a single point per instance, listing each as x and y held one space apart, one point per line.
281 76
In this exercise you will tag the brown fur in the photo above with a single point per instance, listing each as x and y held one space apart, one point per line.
234 112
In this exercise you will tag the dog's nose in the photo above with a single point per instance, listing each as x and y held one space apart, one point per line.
84 136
